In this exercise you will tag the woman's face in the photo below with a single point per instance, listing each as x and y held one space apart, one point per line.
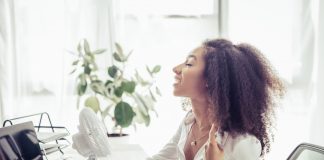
189 80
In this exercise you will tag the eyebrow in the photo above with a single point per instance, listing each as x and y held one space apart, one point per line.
192 56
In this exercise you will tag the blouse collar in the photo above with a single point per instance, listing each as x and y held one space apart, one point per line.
190 118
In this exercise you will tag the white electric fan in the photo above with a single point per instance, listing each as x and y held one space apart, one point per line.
92 140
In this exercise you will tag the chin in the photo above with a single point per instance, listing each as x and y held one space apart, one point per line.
179 93
175 93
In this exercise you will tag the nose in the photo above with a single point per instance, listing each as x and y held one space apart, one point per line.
177 69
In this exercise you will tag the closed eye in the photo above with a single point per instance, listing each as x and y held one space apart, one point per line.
190 60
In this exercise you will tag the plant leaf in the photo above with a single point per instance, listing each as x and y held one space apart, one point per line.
152 96
75 62
140 79
148 70
139 116
119 91
156 69
73 71
157 90
94 66
124 114
93 77
86 47
110 89
112 70
119 49
129 86
99 51
97 86
142 101
117 57
87 70
81 88
108 82
130 53
82 78
147 119
79 49
93 103
137 76
86 60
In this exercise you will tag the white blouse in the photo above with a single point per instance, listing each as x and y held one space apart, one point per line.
242 147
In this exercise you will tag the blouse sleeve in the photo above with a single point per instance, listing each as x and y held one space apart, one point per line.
248 148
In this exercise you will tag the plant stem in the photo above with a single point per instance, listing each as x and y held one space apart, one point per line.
121 131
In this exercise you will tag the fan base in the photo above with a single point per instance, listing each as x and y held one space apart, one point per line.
116 135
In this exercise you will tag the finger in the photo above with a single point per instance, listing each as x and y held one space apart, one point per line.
212 138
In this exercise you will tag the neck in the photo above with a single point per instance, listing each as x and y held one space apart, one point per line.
200 111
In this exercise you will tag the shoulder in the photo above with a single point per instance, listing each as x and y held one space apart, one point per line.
189 118
244 147
186 121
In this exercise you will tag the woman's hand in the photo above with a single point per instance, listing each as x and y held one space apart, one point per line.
212 150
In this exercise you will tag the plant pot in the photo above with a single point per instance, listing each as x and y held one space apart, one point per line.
117 139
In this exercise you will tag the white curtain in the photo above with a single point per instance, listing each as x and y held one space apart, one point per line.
7 53
317 129
35 38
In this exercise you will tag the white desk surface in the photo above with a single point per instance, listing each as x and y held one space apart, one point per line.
120 152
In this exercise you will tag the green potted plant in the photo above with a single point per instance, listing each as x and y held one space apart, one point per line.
127 100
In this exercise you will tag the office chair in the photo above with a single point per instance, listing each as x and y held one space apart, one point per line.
307 151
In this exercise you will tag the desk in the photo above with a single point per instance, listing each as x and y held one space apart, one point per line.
119 152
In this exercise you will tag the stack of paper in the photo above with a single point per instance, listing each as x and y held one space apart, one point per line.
50 148
48 142
50 136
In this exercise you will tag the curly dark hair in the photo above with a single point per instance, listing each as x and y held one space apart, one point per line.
243 89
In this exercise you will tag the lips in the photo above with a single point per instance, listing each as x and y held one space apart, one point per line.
177 80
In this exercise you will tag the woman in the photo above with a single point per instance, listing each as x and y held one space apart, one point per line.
232 90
